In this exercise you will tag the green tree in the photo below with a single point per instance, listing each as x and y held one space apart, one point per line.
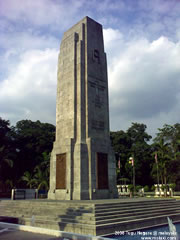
141 152
171 135
29 179
41 179
7 151
32 140
45 164
133 142
40 176
167 145
162 151
121 145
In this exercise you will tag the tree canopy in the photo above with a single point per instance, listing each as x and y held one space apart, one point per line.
167 147
133 143
23 148
25 154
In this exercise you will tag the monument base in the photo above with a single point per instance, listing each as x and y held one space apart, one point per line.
96 194
93 217
82 171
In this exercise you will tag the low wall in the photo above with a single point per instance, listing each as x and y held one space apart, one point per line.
24 194
159 191
123 190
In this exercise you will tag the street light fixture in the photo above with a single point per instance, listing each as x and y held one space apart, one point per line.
119 164
131 160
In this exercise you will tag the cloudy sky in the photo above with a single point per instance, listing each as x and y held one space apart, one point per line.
142 42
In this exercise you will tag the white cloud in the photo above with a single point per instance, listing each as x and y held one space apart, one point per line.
27 40
143 65
15 45
29 91
41 12
111 35
144 80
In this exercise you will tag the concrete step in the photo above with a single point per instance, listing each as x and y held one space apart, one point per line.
77 212
136 217
34 210
101 229
135 213
132 206
62 226
47 212
136 202
101 218
134 209
136 224
97 208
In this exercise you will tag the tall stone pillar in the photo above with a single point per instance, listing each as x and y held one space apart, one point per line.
82 160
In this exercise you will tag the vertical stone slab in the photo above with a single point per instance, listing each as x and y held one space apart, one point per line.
82 118
102 171
61 171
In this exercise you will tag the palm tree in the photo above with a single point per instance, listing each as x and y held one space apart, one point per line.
28 178
41 178
164 156
45 164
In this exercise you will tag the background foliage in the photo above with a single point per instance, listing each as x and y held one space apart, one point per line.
25 154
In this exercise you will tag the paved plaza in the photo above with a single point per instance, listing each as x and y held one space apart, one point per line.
12 234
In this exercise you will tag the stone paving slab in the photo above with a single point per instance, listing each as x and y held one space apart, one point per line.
98 201
12 234
9 231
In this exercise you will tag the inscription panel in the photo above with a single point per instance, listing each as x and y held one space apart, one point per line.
98 125
102 171
61 171
98 94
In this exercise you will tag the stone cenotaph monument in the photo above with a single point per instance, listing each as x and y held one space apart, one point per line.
82 164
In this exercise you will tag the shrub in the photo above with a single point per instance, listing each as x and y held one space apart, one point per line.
173 186
146 188
138 187
131 187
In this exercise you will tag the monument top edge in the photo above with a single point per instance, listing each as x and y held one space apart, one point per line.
83 20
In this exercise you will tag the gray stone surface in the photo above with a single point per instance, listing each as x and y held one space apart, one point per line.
94 217
82 118
11 234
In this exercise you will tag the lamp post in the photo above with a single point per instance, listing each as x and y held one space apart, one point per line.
119 164
131 160
156 161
